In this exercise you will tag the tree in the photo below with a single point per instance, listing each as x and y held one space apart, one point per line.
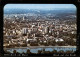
61 51
28 51
6 52
68 51
47 52
39 51
14 51
43 51
54 51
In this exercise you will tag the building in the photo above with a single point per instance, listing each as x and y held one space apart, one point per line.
50 31
23 18
46 30
29 30
28 35
24 31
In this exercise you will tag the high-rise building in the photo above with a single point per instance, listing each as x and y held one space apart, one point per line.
38 24
47 29
24 31
23 18
29 30
50 31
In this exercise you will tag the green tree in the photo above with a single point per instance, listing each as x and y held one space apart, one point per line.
28 51
39 51
14 51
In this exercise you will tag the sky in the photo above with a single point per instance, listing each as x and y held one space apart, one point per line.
40 6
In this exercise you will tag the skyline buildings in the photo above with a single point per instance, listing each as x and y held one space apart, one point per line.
42 28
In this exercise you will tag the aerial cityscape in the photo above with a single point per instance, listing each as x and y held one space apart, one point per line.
38 27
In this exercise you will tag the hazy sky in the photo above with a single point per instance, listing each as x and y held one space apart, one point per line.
40 6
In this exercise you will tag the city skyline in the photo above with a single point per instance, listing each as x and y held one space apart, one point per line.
45 30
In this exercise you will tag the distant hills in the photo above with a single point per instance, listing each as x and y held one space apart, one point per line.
36 11
44 14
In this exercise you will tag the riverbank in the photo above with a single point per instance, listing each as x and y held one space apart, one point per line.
43 47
